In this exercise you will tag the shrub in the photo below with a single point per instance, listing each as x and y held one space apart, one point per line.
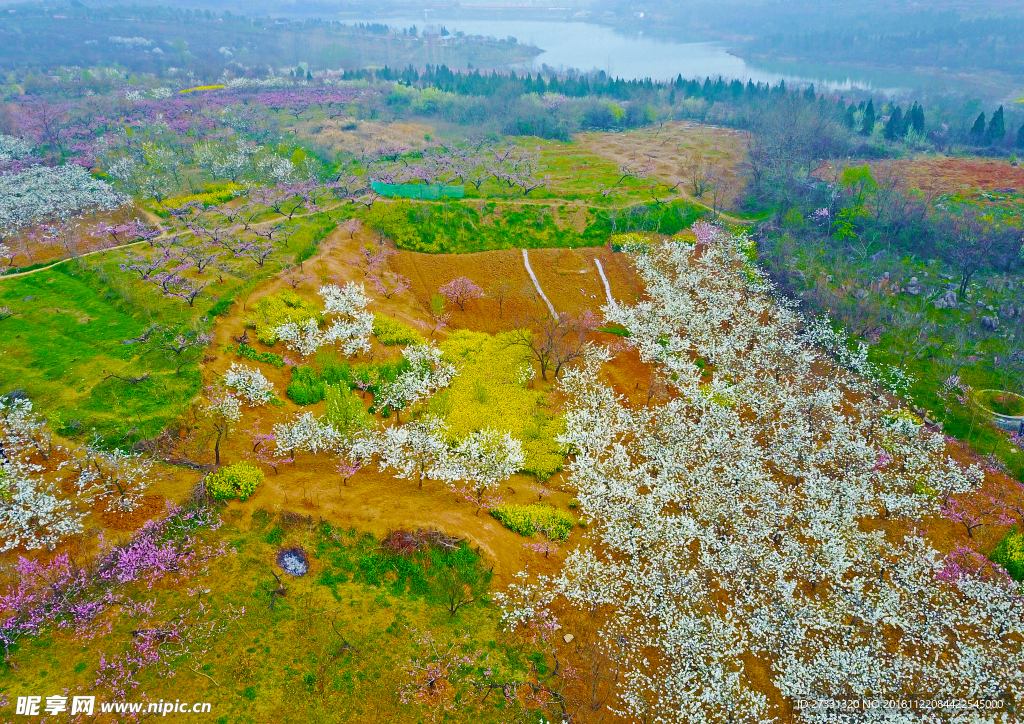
528 519
309 384
306 387
1010 554
390 331
234 481
345 411
221 307
272 311
247 352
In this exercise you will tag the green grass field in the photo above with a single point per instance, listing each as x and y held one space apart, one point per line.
65 343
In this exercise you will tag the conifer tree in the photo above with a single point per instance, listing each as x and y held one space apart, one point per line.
978 129
1020 137
894 126
997 127
809 94
851 116
868 126
916 118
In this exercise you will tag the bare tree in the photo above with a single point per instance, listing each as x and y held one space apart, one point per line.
554 341
967 241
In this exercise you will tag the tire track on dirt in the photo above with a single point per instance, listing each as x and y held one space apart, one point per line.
536 284
604 279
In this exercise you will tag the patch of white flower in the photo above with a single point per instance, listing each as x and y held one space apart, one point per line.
12 148
250 384
354 325
133 42
728 523
44 193
33 513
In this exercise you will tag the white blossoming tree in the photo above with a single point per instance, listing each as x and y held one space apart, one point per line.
481 462
305 338
427 374
741 520
351 329
354 325
418 449
115 478
250 384
222 410
306 432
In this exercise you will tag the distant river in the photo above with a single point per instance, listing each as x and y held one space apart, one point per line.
587 46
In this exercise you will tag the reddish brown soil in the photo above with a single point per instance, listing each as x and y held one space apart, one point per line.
377 502
937 175
152 506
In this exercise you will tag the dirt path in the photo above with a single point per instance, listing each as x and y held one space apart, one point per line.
517 202
536 284
165 235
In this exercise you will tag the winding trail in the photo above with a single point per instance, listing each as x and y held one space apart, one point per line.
536 284
604 279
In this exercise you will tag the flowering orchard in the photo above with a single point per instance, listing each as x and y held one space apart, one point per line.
770 514
51 194
47 488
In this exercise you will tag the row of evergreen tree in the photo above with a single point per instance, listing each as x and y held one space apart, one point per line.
862 118
994 131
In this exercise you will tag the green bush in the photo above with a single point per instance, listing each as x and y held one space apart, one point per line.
239 480
247 352
309 383
1010 554
221 307
274 310
391 332
528 519
306 387
345 410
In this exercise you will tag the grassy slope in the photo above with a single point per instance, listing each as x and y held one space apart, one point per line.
67 332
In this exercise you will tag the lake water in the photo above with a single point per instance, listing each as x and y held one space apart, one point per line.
586 46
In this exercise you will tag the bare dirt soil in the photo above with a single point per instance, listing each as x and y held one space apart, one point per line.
375 501
359 137
937 175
